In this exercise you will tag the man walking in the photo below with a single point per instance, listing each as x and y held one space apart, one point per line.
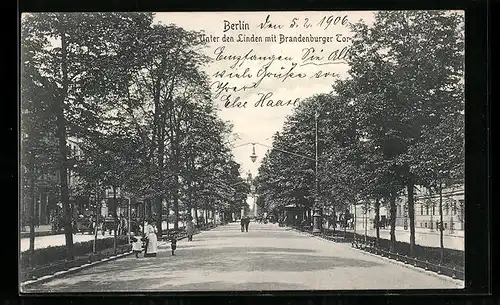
242 223
247 222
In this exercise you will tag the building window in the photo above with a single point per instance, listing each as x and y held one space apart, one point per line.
427 210
426 224
446 225
421 209
433 209
454 207
421 225
447 207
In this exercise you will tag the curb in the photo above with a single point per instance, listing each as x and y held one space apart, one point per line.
58 274
409 266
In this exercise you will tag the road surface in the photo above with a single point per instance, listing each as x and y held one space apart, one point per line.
266 258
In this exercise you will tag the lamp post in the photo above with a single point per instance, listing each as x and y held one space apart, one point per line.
128 222
317 223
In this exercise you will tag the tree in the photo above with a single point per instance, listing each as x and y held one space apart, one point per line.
408 68
442 156
70 53
38 145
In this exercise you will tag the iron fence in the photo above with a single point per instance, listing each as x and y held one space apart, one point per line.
60 266
370 246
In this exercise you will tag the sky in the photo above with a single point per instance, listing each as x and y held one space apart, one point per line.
258 124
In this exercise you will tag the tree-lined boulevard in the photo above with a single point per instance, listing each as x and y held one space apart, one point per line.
135 100
268 257
118 109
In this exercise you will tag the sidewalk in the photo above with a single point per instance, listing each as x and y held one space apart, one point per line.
423 238
41 228
456 233
58 240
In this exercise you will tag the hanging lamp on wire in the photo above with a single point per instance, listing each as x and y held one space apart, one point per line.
253 156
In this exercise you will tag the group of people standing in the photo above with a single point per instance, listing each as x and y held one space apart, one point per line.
148 242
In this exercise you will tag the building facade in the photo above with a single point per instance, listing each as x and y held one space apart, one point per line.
426 210
427 214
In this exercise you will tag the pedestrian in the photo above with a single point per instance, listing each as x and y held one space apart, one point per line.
152 241
242 223
247 222
173 244
125 225
137 245
190 228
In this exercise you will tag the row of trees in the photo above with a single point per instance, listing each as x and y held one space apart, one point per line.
134 95
395 124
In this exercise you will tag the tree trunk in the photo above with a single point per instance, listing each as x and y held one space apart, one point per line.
32 203
366 221
334 220
441 228
97 213
159 208
393 210
355 219
62 147
345 227
411 215
115 217
176 199
161 155
196 214
168 212
377 220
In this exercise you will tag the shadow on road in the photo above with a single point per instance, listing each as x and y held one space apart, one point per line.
227 286
265 259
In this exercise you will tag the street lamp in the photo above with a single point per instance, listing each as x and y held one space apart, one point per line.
253 156
317 223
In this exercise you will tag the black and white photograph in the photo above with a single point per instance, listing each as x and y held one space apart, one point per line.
241 151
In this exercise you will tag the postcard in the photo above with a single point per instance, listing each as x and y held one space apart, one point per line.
242 151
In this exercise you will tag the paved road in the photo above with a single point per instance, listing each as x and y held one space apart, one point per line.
266 258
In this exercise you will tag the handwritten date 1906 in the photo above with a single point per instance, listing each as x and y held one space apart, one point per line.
324 23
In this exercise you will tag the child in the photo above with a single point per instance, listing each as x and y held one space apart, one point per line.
173 244
137 245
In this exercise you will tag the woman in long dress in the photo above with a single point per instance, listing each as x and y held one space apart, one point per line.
190 228
152 245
